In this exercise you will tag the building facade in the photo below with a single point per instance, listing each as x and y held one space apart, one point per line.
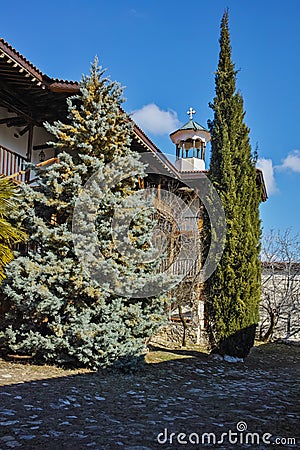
28 98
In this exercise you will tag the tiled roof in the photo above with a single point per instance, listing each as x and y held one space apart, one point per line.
20 60
22 68
11 51
191 125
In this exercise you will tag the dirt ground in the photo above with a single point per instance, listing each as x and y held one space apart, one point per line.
182 399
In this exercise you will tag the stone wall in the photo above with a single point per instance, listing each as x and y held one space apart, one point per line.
171 336
280 300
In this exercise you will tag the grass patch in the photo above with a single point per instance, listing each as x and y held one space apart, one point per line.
158 356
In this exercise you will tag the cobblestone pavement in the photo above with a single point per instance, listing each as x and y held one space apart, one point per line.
48 408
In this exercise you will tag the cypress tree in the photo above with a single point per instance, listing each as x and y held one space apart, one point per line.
233 291
59 312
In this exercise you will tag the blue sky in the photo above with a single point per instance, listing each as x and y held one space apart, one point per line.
165 52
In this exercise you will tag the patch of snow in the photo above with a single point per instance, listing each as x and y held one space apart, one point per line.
232 359
71 398
217 357
7 438
194 391
9 423
13 444
27 437
8 412
64 402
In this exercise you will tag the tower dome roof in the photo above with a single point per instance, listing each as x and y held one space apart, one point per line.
191 125
190 130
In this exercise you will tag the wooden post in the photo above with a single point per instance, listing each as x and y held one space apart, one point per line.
141 183
158 188
29 150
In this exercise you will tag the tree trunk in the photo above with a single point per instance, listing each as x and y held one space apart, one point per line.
270 330
184 324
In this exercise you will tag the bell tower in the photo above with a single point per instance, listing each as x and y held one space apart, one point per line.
190 141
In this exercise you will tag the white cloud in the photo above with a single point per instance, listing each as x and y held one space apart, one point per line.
266 165
154 120
291 161
137 14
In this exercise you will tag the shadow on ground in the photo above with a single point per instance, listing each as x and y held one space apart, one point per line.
194 395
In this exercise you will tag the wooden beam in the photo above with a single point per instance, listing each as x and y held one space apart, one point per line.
18 111
18 121
48 161
27 128
15 57
29 150
7 119
13 94
29 142
41 147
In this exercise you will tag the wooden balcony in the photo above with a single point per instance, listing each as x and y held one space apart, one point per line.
182 266
12 163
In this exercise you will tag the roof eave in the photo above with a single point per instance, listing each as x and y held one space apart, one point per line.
31 71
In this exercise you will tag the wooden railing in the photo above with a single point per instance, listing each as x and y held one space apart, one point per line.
12 163
22 173
181 266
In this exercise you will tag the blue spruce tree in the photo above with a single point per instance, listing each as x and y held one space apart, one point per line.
92 303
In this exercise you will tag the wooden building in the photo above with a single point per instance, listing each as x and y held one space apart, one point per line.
29 97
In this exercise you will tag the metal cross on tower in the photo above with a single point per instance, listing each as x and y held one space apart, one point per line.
190 112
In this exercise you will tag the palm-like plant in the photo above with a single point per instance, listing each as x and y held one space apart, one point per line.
9 234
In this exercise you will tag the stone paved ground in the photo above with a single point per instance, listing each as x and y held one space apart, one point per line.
48 408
